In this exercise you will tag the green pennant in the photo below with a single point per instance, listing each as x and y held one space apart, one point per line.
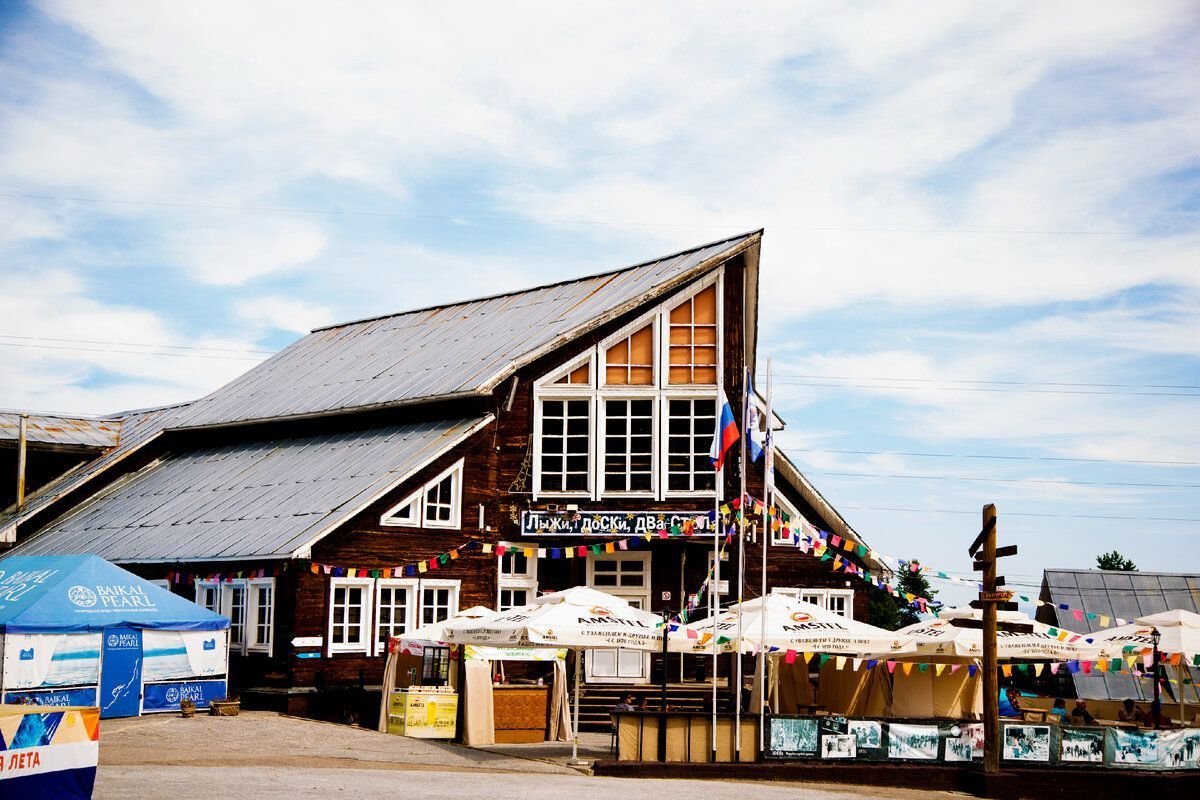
376 573
675 530
596 549
784 516
1114 665
444 558
1023 668
822 659
922 667
722 640
861 550
1196 660
1052 631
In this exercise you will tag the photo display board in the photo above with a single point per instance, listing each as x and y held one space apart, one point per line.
834 738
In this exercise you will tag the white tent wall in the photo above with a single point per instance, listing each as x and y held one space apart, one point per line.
30 663
479 714
957 695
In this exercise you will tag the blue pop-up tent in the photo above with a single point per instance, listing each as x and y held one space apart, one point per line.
78 630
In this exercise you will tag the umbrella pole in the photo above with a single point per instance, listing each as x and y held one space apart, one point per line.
714 587
575 735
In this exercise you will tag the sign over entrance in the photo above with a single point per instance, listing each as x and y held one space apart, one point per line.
612 523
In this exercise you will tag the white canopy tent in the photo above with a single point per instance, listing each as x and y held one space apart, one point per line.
783 623
579 618
950 635
1179 632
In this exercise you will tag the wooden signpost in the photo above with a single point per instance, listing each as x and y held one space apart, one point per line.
985 553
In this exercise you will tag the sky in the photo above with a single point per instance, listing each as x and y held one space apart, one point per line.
980 273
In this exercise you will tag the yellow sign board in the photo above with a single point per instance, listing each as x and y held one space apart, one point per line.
996 597
423 715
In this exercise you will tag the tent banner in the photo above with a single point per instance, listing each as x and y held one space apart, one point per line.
484 653
174 655
48 753
73 696
950 742
36 661
167 696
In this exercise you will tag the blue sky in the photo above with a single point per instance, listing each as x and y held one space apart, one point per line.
983 220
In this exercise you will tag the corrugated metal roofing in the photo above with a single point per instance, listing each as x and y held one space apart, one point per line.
247 500
1127 595
460 349
137 428
58 430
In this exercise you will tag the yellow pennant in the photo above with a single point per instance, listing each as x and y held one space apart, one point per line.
907 667
807 657
528 551
608 548
1104 621
569 552
938 669
1037 669
1007 670
487 547
422 566
840 662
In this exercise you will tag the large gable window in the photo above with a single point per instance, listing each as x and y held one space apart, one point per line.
692 348
629 445
690 426
638 405
630 361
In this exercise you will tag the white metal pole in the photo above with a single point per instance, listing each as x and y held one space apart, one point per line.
743 466
714 585
575 736
769 499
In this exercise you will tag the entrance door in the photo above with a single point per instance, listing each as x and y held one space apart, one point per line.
626 575
121 673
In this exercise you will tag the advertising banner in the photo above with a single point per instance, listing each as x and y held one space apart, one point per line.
166 696
423 715
483 653
48 754
172 655
121 673
33 661
76 696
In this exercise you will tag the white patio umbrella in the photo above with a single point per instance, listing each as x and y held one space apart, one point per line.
789 624
1179 632
580 618
942 637
434 632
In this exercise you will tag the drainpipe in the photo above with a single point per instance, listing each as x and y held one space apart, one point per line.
22 437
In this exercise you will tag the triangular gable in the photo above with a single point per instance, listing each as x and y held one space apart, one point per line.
79 594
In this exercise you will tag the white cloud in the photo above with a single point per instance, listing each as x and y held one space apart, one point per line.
283 313
236 254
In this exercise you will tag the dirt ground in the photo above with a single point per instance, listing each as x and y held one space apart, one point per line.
278 757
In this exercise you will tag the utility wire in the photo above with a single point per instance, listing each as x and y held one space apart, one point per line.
979 382
136 344
983 389
1023 514
126 352
982 479
998 457
558 221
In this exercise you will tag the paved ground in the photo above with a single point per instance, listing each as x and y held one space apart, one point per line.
268 756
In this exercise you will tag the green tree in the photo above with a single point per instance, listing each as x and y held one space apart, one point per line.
1115 561
891 613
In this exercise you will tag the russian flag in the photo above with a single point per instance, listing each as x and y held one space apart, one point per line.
726 434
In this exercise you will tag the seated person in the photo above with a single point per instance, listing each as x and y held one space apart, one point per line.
1010 704
1128 712
1080 715
1059 709
626 704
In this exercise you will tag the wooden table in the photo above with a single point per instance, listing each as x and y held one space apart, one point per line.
521 713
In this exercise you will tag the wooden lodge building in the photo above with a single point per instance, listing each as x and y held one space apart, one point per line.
344 490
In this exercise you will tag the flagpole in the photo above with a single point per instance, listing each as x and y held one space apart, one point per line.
737 650
714 577
769 499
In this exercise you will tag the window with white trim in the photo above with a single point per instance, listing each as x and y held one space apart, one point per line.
723 587
518 579
793 524
439 600
629 445
691 423
233 606
162 583
640 404
393 610
405 512
442 499
260 615
839 601
208 595
566 438
350 615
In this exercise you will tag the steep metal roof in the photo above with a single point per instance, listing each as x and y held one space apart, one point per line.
247 500
53 429
454 350
1127 595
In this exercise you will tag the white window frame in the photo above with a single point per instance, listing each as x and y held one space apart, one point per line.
556 395
516 581
455 587
602 448
410 609
204 586
664 416
821 598
252 642
368 619
226 595
455 474
162 583
794 518
619 558
723 586
413 516
596 389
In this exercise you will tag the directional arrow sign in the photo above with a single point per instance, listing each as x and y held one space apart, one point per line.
1008 550
995 597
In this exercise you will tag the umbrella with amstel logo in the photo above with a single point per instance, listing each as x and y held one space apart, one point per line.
789 625
1179 631
956 633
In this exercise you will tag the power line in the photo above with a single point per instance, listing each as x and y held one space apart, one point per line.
992 383
984 389
111 351
982 479
558 221
1023 514
136 344
998 457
